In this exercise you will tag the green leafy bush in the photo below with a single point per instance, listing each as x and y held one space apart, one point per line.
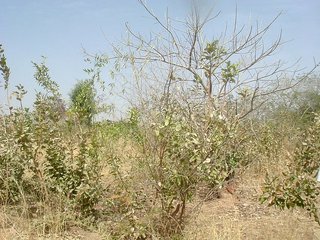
42 157
182 153
298 187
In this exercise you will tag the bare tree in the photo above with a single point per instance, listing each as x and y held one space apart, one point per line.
192 93
231 74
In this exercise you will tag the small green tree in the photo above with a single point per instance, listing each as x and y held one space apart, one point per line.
5 70
83 101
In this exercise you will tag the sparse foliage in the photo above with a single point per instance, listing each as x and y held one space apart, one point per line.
190 128
194 96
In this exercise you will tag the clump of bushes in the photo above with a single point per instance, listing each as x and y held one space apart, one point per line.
44 155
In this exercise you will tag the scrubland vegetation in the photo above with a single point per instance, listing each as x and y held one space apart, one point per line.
211 121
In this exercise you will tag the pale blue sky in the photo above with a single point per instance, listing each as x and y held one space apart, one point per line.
58 29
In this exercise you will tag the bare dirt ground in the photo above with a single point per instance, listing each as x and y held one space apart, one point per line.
237 214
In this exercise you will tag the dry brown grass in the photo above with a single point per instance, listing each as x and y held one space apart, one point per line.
233 218
49 226
241 216
236 215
